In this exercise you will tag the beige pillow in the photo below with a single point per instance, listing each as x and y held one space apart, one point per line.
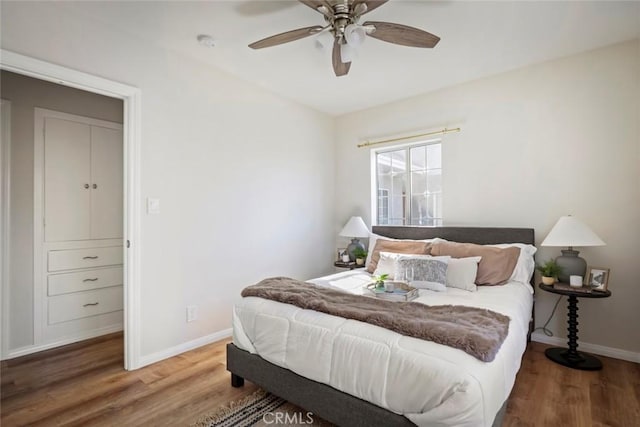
496 265
397 246
373 239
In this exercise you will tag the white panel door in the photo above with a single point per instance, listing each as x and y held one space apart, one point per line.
67 178
107 182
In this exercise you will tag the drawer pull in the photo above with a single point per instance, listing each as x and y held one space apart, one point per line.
90 257
90 280
93 303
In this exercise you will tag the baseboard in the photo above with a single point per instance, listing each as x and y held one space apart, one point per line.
615 353
23 351
181 348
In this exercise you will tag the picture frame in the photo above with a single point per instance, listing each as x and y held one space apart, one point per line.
341 252
598 278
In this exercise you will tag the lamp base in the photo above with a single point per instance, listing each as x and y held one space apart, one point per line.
572 265
355 243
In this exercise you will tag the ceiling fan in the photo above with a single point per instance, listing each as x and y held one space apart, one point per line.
347 34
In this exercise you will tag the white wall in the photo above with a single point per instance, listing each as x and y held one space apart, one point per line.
536 143
25 94
244 177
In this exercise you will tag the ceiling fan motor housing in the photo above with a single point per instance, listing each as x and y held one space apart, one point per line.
340 19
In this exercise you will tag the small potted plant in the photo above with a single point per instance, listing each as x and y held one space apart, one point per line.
379 280
360 255
549 271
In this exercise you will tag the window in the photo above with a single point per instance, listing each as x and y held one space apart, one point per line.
409 185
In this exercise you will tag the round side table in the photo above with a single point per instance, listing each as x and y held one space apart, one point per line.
571 357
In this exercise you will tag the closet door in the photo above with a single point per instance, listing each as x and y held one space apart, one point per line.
106 183
67 178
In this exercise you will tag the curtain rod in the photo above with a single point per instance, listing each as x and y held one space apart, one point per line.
384 141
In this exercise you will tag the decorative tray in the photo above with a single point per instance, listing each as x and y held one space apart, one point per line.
401 291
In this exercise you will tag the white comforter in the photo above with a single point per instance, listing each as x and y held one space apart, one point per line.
431 384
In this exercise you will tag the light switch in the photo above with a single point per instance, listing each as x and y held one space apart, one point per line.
153 206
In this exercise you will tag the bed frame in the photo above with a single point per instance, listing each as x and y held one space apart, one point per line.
335 406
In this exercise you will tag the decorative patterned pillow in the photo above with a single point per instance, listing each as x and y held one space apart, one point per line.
428 272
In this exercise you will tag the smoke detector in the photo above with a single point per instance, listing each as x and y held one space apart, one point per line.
206 40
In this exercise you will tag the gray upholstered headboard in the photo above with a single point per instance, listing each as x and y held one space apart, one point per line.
478 235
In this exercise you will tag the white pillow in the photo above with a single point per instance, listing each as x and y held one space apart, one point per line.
387 264
461 273
429 272
526 265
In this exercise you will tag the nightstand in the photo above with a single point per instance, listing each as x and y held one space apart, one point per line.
571 357
350 265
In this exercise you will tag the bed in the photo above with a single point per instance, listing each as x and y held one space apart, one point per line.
356 374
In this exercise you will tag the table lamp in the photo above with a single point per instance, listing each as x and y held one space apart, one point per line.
354 229
571 232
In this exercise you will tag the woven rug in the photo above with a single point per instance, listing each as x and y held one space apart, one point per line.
260 409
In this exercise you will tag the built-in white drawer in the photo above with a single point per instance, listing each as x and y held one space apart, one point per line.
84 280
70 259
77 305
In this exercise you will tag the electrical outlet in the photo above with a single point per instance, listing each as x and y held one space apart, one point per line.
192 313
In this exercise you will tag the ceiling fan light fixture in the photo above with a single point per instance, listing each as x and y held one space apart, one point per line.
348 53
324 40
355 34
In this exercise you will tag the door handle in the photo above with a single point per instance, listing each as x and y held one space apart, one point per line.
90 257
93 303
90 280
86 186
95 186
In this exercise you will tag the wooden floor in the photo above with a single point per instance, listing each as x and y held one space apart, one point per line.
85 384
549 394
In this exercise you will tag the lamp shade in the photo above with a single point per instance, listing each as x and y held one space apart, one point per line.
570 231
347 53
355 228
324 40
355 34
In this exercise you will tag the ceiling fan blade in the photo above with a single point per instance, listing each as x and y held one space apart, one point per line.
339 67
402 34
371 4
315 4
286 37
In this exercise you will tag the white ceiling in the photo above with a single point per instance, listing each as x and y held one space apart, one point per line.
477 39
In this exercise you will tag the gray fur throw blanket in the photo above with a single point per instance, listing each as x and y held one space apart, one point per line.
476 331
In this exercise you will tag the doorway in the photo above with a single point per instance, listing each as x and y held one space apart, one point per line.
130 244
